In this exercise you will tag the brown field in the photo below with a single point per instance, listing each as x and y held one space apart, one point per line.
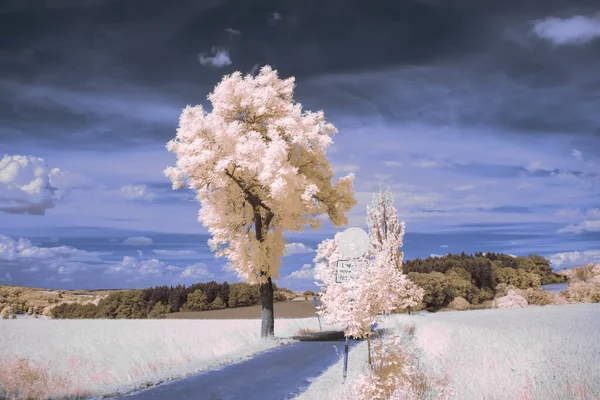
283 309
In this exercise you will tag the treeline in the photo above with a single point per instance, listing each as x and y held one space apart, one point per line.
156 302
475 277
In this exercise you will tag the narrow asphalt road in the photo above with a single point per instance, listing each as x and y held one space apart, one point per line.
277 374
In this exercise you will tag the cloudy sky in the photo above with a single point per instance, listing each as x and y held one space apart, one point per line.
482 119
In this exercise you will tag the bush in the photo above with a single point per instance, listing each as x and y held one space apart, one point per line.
128 304
279 296
396 373
196 301
511 300
217 304
539 297
460 287
159 311
586 272
518 278
502 290
243 294
459 273
582 292
482 295
459 303
436 286
559 300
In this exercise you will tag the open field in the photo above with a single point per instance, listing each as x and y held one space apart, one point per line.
283 309
532 353
536 353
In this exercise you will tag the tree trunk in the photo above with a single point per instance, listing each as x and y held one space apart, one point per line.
267 328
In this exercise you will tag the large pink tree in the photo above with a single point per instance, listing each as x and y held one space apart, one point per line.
258 165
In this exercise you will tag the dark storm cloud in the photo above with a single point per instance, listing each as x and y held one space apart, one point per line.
99 72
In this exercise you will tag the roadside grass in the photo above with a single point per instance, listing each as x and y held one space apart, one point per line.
535 353
45 359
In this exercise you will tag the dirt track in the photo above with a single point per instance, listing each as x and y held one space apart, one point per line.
283 309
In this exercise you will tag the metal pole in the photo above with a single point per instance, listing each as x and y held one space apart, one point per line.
345 358
351 301
318 319
369 348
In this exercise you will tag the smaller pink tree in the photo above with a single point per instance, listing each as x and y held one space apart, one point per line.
379 286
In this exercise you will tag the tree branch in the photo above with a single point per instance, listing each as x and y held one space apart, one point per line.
268 220
245 189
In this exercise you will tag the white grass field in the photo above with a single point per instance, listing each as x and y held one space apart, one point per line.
100 357
550 352
543 353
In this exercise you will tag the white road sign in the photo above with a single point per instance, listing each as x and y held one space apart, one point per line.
346 269
353 242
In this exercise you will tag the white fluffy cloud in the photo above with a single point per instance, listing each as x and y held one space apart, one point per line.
146 267
575 258
138 241
306 272
297 248
218 59
577 30
28 186
139 268
591 213
134 192
592 225
29 258
196 271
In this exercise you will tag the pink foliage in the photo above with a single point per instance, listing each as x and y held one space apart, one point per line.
511 300
379 286
257 159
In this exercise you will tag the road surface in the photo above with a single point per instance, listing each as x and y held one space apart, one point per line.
277 374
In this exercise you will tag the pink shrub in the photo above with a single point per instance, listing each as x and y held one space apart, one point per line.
582 291
511 300
396 374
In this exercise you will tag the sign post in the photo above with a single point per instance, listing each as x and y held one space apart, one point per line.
318 319
345 358
352 243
